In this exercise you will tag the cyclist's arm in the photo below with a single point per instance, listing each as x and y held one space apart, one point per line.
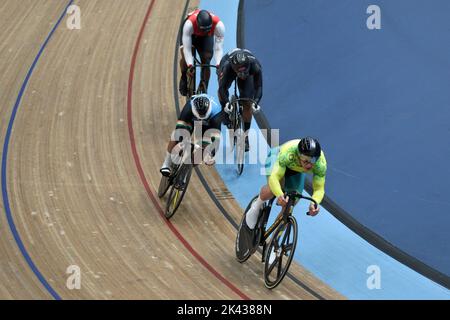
319 173
219 34
258 81
211 139
319 188
275 177
211 142
188 30
225 81
185 120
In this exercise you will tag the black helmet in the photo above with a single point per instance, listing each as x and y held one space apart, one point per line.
240 62
310 147
204 21
201 106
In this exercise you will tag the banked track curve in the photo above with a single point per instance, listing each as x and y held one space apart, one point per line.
74 191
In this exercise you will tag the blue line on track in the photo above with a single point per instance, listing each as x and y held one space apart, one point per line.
9 216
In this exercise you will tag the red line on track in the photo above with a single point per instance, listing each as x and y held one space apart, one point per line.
137 161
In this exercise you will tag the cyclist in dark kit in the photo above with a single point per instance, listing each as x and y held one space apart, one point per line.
240 65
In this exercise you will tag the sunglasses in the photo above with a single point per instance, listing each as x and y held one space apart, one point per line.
308 160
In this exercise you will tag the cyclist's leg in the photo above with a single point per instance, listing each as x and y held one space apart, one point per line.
246 90
265 193
183 130
205 48
212 133
183 79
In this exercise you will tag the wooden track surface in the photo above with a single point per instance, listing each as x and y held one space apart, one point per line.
74 190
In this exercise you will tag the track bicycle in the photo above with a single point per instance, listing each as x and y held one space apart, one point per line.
277 253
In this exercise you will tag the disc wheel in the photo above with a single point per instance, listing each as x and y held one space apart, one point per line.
241 250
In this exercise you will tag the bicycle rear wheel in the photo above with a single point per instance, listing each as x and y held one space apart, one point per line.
178 190
280 252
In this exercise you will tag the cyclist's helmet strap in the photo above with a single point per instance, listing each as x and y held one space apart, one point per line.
310 147
204 21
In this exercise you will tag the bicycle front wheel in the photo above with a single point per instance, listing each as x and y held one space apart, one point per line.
178 190
164 185
280 252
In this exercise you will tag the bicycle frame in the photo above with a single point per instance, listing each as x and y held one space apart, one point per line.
185 155
282 216
179 180
192 80
238 99
238 108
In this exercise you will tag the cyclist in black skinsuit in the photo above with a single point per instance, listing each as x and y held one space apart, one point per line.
240 65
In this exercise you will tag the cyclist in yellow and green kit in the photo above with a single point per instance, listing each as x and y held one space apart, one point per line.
286 167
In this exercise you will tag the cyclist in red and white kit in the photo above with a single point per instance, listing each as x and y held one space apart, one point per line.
203 32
